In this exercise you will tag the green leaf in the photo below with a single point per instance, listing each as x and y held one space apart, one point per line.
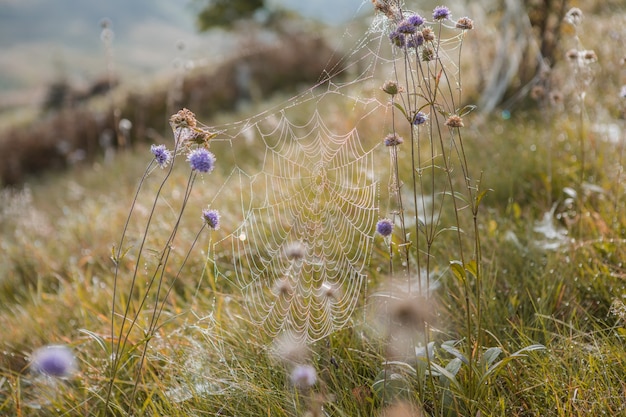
467 110
445 375
457 269
399 107
448 347
489 357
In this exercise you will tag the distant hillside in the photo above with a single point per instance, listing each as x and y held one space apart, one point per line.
44 40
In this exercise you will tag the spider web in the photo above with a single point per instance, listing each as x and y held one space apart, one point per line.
300 247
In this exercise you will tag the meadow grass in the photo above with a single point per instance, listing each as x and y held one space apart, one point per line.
546 319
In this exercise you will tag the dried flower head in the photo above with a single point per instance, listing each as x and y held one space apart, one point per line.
329 291
387 8
55 360
465 23
454 121
201 160
411 313
441 13
384 227
295 251
161 155
283 287
391 88
290 348
428 54
589 56
303 376
393 139
211 218
184 118
419 118
537 92
428 34
574 16
415 19
572 54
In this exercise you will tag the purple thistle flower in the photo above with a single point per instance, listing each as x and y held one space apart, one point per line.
397 39
201 160
441 13
384 227
303 376
54 360
415 20
211 218
416 40
161 155
420 118
406 28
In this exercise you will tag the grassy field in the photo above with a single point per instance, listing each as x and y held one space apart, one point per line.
498 292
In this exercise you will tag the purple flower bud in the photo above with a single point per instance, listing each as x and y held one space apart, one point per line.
161 155
201 160
384 227
54 360
303 376
211 218
415 20
441 13
420 118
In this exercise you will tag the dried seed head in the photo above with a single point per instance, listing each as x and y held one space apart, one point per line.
465 23
428 34
574 16
184 118
289 348
393 139
387 8
454 121
537 92
391 88
283 288
295 251
572 54
428 54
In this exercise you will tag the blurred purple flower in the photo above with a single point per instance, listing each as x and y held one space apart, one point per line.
54 360
303 376
415 20
420 118
384 227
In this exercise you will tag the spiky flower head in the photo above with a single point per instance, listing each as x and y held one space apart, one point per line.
393 139
428 54
454 121
54 360
211 218
428 34
398 39
303 376
405 27
161 155
201 160
416 40
384 227
184 118
415 19
441 13
391 87
419 118
465 23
